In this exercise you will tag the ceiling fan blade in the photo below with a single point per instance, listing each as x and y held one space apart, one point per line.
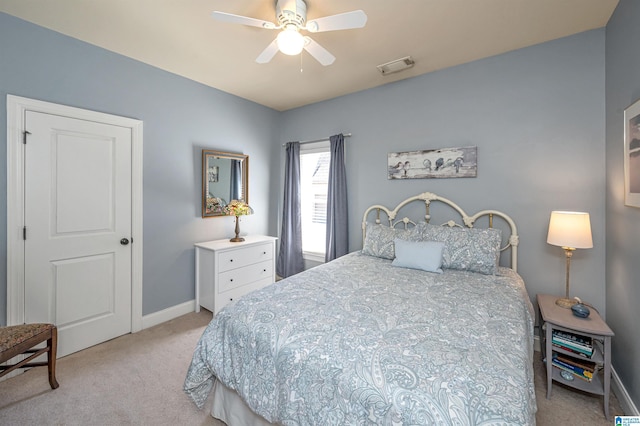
341 21
321 54
244 20
268 53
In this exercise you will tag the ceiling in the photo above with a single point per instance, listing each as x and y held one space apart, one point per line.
181 37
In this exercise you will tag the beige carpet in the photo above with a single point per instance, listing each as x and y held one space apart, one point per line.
137 380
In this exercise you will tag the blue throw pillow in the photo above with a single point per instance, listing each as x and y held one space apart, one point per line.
424 255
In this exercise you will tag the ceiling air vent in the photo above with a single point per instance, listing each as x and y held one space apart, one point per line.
396 66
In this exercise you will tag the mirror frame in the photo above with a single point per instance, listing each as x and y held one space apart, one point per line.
206 154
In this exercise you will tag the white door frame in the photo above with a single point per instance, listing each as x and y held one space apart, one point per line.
16 109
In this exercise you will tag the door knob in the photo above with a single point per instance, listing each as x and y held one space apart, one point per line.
124 241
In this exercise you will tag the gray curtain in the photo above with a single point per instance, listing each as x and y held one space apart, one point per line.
337 219
290 259
236 179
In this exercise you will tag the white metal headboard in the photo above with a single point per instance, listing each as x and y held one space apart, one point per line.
468 221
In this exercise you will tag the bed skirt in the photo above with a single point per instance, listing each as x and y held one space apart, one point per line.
231 409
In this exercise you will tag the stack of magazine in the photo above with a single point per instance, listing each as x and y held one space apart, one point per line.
582 369
573 343
580 347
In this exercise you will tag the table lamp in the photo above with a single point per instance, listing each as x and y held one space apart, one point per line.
569 230
237 208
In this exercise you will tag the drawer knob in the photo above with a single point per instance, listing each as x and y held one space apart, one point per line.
264 252
264 270
231 299
231 280
230 260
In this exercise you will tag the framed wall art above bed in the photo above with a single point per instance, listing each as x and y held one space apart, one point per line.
422 326
632 155
433 163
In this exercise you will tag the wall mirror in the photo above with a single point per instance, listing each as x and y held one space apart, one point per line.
225 177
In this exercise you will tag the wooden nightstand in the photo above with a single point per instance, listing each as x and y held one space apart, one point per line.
554 318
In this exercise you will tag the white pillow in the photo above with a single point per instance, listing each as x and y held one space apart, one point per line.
424 255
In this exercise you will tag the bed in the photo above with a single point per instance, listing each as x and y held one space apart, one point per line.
422 326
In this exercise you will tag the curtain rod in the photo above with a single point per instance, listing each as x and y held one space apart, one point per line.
346 135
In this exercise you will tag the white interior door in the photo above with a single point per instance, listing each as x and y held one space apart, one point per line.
77 210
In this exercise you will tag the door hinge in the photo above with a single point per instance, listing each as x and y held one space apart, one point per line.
24 233
24 136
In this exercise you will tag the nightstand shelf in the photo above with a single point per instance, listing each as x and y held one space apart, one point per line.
554 318
597 357
595 386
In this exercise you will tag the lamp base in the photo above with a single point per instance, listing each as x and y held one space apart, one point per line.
566 303
237 238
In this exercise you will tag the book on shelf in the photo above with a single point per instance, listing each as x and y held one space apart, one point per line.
575 338
573 352
580 363
586 376
572 348
557 364
572 368
573 342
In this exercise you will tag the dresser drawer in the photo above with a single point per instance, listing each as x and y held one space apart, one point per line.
238 258
223 299
238 277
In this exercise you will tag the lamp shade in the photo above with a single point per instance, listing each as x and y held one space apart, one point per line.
290 41
238 208
570 229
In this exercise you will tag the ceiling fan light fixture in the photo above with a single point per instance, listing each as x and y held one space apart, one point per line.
291 16
290 41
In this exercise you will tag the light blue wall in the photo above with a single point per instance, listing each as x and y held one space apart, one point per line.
180 118
536 115
623 223
537 118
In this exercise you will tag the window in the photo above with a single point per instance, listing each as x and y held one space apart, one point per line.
314 174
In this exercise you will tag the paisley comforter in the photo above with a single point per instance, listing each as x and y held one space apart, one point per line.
360 342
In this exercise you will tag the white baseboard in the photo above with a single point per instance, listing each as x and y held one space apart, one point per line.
168 314
626 403
623 396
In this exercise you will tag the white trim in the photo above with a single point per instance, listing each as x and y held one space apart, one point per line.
626 403
315 147
313 257
168 314
136 225
16 109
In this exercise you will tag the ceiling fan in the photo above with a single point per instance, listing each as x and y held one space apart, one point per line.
292 18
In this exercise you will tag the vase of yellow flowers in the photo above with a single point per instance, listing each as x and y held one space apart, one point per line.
237 208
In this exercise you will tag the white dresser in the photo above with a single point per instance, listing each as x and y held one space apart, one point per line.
225 270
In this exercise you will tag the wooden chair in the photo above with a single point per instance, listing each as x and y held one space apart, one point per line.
21 339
